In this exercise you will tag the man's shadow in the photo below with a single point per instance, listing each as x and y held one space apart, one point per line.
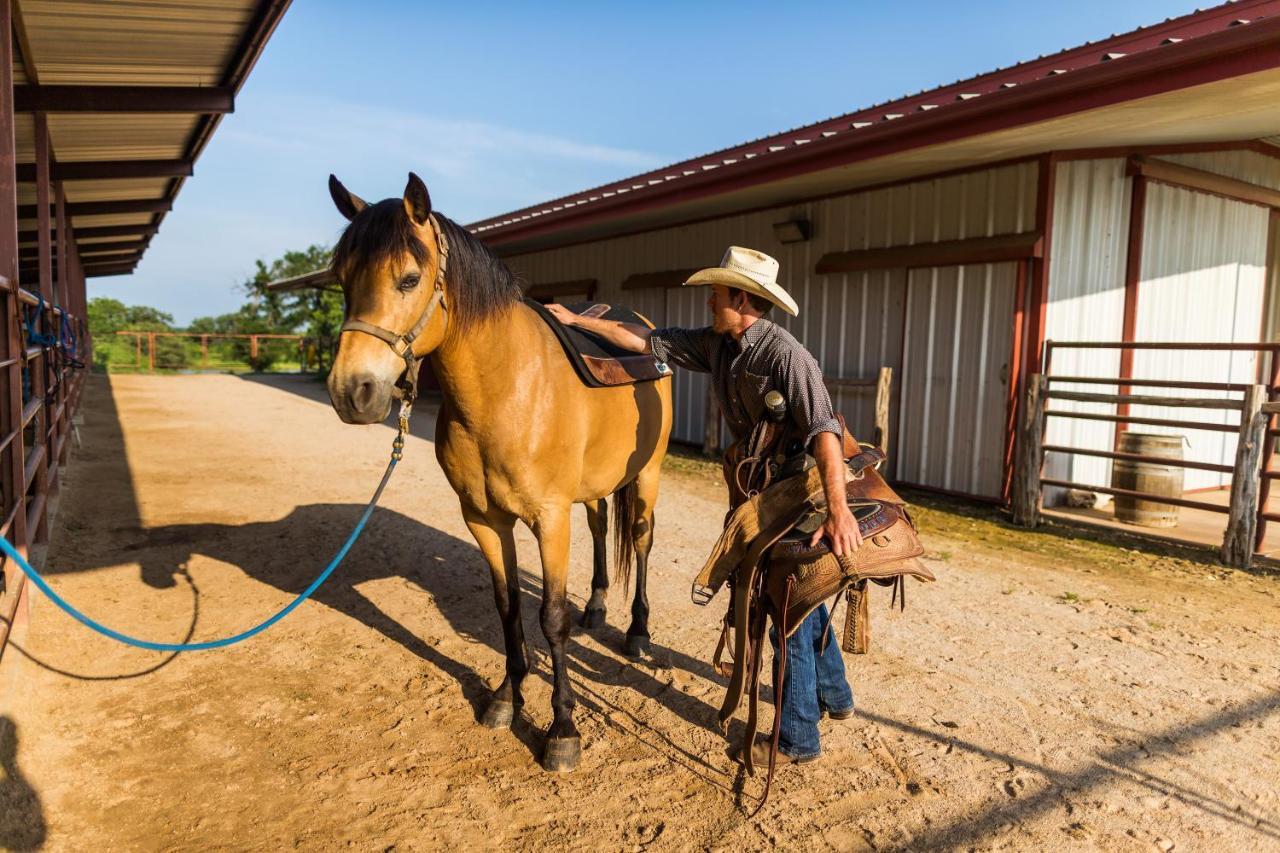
286 554
22 823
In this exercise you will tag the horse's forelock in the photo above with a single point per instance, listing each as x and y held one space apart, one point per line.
480 284
381 232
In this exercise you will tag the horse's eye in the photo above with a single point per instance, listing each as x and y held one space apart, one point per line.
409 282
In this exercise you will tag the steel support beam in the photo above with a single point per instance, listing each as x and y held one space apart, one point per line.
105 208
140 230
126 99
108 169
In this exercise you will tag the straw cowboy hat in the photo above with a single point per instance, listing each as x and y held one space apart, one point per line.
749 271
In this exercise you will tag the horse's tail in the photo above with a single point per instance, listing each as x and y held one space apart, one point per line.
624 517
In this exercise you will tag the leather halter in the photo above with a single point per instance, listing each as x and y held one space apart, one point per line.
402 345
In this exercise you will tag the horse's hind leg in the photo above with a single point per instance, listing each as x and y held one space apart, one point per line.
497 542
646 495
564 747
598 520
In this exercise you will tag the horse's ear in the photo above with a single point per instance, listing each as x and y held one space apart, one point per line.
349 204
417 201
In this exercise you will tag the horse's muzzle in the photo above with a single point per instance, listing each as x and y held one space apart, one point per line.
361 398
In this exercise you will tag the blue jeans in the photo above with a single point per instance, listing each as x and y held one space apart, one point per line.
814 682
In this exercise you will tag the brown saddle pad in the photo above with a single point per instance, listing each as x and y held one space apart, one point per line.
598 363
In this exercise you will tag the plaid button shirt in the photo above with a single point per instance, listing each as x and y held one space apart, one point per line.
767 358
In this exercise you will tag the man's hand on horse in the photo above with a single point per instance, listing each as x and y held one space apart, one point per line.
840 530
564 315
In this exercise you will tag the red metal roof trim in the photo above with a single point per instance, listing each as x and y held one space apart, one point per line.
1176 41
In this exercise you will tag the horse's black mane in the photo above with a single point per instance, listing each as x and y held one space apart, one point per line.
480 284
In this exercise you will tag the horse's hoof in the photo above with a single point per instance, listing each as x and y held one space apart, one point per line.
561 754
637 646
593 618
499 714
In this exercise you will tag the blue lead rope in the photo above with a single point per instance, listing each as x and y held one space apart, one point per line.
44 587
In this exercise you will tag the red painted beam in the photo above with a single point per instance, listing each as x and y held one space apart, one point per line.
1132 278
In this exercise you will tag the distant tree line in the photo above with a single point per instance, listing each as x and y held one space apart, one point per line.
315 313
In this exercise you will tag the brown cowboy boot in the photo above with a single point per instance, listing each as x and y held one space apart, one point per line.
760 755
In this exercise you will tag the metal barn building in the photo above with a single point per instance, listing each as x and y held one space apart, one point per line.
1121 190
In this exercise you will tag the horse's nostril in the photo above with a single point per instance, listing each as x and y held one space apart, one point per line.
363 396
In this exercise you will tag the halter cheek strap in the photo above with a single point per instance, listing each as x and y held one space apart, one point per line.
402 345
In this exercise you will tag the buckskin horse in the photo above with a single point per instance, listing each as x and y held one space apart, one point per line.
519 436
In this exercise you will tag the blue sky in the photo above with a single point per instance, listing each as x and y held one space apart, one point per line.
501 105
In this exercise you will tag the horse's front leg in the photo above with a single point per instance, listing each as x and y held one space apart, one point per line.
593 616
564 746
496 538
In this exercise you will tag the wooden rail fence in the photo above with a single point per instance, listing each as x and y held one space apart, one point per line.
204 338
1251 472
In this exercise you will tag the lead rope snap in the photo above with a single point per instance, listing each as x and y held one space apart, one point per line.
397 446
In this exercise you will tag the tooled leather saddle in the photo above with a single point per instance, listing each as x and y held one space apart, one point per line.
598 363
775 574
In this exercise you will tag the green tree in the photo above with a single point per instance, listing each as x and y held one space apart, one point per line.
315 312
108 316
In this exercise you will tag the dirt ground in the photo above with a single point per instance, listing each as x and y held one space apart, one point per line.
1047 693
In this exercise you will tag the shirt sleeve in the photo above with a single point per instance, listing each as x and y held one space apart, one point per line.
687 348
810 403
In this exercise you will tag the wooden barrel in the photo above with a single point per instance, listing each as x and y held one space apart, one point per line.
1153 477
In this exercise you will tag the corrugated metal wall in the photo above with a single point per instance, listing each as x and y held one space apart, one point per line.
1201 279
946 332
1086 303
854 323
1203 275
955 377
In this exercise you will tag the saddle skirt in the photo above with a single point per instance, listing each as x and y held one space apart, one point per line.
598 363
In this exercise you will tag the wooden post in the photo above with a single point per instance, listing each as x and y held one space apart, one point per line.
253 347
151 351
884 386
1026 484
1242 520
711 425
137 350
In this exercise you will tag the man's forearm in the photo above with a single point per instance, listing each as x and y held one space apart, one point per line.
630 336
827 453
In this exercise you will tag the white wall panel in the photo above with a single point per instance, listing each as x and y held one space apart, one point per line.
1086 303
1203 277
955 374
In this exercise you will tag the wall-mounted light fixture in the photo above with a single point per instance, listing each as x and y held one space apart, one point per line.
792 231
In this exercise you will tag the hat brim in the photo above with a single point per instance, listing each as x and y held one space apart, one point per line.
731 278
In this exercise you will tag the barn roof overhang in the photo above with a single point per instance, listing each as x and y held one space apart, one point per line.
131 94
1213 75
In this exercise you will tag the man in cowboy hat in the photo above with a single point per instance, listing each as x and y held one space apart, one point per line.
748 356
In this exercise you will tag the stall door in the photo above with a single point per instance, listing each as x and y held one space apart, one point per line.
954 391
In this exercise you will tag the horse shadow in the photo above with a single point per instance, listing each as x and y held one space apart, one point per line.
451 571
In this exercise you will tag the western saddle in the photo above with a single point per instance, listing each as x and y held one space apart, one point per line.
598 363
